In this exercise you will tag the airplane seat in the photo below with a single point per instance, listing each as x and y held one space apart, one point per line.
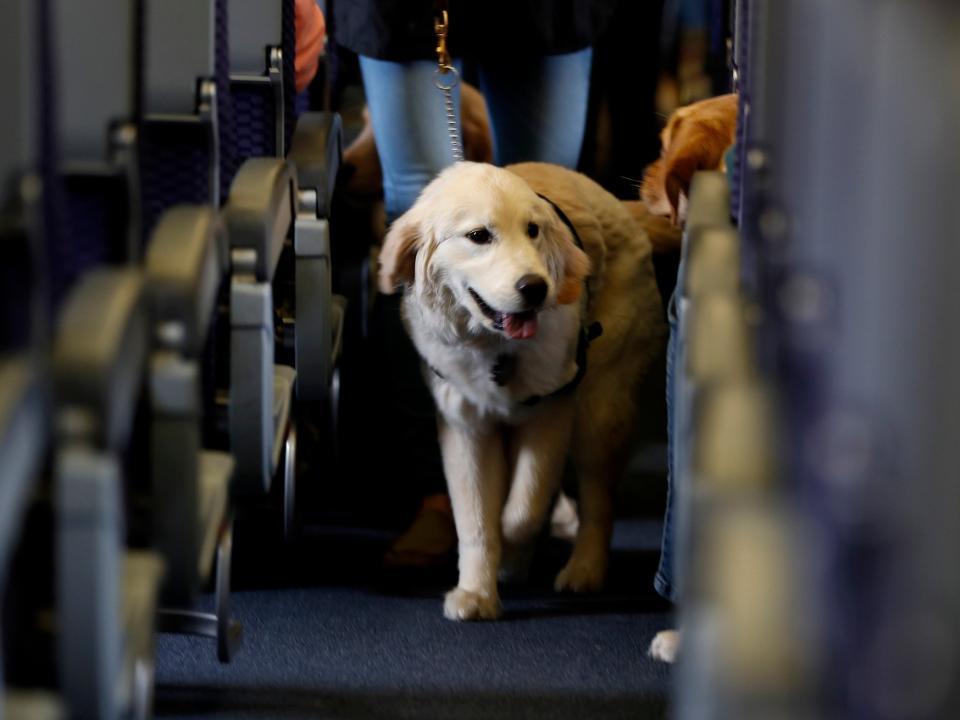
108 577
26 191
186 261
106 594
743 571
188 117
309 318
187 110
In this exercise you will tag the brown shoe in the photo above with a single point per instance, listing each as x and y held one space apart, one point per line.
429 542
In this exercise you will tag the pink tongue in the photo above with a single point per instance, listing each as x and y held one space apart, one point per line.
520 326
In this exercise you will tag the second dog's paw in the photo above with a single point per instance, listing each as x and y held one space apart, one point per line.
580 577
460 604
665 646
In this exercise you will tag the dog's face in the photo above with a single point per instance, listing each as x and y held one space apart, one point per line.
696 138
480 245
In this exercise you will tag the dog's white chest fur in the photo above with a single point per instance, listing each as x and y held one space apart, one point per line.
460 373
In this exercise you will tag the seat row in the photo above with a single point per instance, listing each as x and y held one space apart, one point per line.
821 499
168 321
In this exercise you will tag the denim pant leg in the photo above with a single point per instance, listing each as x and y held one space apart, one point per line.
413 143
663 581
410 124
538 107
538 111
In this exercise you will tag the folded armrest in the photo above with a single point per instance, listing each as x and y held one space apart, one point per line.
316 150
186 260
99 356
713 261
720 346
709 200
260 211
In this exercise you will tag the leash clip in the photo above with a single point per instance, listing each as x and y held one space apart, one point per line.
441 26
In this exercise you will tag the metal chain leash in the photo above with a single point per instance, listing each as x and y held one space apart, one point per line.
446 80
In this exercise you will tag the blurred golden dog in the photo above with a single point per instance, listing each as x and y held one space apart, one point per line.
696 138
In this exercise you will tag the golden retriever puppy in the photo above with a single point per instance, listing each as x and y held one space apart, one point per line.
530 294
695 138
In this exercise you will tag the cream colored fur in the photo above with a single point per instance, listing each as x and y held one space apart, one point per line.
503 460
665 646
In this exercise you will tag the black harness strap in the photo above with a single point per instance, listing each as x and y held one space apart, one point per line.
587 335
563 216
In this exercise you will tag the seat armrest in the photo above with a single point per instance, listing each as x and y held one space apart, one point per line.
713 261
720 345
33 704
143 571
316 150
186 261
709 200
215 475
99 356
260 211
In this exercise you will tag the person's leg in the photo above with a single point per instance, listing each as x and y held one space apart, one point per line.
410 125
538 107
664 580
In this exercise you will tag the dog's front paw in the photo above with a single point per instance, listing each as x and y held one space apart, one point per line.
580 576
461 604
665 646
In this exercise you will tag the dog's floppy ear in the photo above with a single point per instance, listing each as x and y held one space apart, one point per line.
569 261
398 256
679 175
574 263
576 267
653 189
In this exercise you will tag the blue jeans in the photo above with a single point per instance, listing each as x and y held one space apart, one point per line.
538 111
664 581
673 545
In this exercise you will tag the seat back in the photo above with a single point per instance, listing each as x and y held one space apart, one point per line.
849 214
29 197
98 362
262 51
24 420
96 61
188 118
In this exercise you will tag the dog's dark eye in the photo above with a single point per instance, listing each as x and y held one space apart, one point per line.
533 230
480 236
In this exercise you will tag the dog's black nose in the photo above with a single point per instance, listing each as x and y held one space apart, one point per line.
533 288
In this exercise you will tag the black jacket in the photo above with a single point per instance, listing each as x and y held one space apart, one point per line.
479 29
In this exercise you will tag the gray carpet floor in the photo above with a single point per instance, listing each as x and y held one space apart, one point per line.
327 636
